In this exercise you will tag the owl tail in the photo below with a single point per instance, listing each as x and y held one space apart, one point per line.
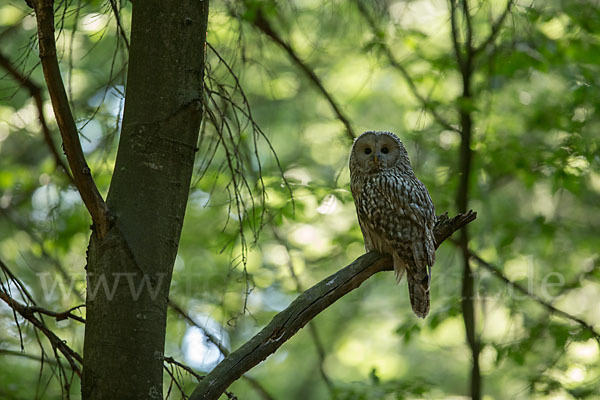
418 289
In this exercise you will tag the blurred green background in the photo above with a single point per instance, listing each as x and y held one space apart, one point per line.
535 183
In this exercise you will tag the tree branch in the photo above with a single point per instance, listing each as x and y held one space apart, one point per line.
33 357
84 182
495 30
35 92
302 310
549 306
403 71
28 312
312 326
454 29
121 31
59 316
256 385
467 16
57 343
464 58
265 27
11 216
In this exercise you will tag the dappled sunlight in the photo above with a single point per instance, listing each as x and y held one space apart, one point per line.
198 350
93 23
270 212
365 350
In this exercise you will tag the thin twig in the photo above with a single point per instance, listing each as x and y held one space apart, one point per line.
211 338
312 327
549 306
115 10
426 104
27 312
59 316
84 182
454 30
174 379
44 251
495 29
261 22
171 360
34 357
54 340
35 92
189 370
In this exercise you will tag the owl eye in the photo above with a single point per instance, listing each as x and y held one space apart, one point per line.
368 150
385 150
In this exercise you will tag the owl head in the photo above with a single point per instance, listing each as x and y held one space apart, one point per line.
374 152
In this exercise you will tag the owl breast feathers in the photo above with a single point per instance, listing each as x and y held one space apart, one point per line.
395 212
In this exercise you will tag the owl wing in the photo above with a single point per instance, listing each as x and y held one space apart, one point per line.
397 216
403 215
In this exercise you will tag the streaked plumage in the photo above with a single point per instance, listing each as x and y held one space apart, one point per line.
395 212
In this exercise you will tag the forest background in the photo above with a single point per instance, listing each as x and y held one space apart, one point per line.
496 103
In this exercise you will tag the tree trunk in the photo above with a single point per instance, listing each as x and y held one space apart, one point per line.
129 271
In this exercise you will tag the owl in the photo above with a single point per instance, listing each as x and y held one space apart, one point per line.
395 212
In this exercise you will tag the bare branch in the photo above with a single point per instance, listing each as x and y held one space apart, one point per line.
495 30
45 253
81 172
59 316
211 338
454 28
17 353
256 385
54 340
115 10
467 16
302 310
171 360
312 326
551 308
426 104
35 92
265 27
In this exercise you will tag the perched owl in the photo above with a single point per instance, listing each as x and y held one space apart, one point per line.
395 212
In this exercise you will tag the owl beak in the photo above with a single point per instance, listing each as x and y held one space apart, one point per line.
376 160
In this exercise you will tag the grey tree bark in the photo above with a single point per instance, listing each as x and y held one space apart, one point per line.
129 270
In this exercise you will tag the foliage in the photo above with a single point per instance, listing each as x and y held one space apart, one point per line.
244 256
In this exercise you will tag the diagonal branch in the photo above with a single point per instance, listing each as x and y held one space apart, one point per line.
302 310
312 326
172 361
546 304
35 92
57 343
256 385
454 30
265 27
469 36
84 182
426 104
17 353
495 29
45 254
121 31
